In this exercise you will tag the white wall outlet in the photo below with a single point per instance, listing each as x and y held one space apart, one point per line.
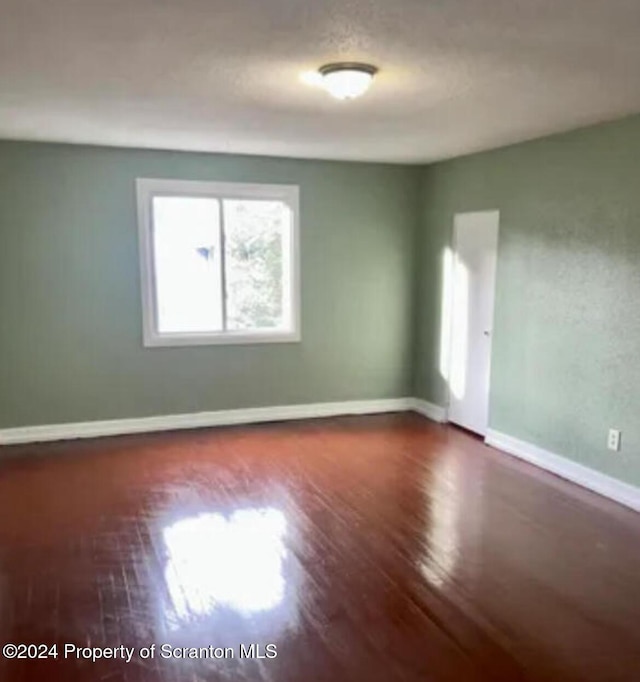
613 443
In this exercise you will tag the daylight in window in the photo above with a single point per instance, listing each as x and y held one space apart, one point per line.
219 262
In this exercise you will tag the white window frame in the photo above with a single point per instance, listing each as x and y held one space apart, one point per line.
146 190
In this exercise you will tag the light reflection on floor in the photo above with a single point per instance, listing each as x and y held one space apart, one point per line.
442 539
234 561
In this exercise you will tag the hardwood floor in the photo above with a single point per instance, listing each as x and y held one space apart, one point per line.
367 549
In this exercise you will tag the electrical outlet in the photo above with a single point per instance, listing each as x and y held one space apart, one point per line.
613 443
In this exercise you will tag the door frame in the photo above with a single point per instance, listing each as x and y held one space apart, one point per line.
449 304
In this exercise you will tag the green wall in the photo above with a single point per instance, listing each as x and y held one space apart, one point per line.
71 334
566 339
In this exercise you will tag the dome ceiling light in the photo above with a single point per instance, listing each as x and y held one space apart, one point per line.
347 80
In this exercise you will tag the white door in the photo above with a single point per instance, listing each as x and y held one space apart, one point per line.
475 248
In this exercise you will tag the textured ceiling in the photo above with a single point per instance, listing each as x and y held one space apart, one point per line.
224 75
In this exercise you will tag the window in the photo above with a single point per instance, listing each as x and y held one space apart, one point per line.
219 262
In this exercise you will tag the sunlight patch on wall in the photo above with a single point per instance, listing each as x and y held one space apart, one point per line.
459 329
445 314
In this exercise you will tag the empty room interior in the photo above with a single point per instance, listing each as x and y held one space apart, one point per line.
319 341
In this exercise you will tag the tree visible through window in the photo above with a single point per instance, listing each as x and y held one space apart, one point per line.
218 262
255 241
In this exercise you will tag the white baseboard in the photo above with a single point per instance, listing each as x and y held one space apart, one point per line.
434 412
114 427
596 481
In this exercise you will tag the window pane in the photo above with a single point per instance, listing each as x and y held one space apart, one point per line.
257 235
186 244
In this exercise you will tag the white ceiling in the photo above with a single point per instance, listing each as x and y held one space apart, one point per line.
224 75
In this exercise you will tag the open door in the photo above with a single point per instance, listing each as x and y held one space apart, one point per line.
475 249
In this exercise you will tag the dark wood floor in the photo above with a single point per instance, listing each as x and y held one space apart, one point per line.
366 549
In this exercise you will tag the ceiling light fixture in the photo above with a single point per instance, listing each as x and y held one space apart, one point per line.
347 80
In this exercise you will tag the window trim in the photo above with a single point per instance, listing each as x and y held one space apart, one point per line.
146 189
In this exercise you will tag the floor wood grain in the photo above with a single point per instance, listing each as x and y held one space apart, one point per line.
365 549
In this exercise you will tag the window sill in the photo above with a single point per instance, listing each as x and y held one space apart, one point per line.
155 340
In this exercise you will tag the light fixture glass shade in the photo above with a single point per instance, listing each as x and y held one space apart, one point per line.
347 81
